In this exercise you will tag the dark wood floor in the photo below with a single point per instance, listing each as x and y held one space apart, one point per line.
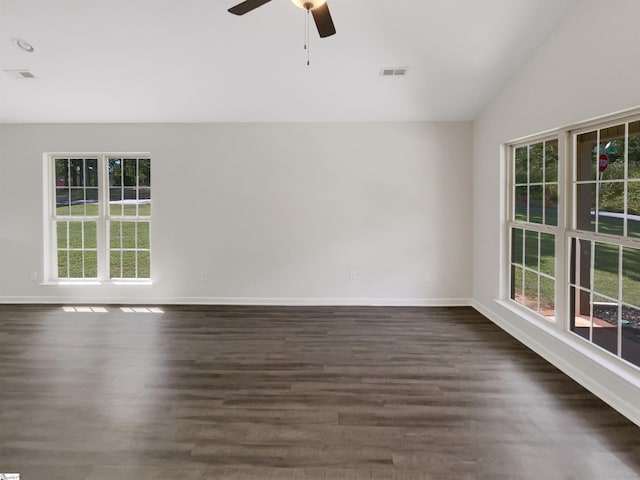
293 393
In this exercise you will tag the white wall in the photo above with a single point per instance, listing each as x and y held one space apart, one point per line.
273 213
587 68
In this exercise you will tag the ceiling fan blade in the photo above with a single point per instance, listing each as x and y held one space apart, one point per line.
323 20
247 6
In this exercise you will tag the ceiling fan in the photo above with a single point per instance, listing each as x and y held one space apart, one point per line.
318 8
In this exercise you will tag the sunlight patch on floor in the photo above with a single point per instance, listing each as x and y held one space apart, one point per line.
84 309
89 309
141 310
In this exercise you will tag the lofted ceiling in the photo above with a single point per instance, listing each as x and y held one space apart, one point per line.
191 61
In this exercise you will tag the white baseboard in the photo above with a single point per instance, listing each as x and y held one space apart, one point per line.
616 384
278 301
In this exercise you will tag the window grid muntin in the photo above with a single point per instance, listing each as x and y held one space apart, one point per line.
136 249
593 293
73 185
83 249
523 266
598 182
546 185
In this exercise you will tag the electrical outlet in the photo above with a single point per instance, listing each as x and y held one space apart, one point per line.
203 276
34 276
427 277
353 274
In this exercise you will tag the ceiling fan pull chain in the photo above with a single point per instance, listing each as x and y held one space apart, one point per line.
307 44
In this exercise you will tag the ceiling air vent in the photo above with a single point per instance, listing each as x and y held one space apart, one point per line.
19 73
393 71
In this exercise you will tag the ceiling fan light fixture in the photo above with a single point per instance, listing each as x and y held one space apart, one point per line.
309 4
319 9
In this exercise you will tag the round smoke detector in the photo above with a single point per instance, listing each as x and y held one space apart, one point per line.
24 45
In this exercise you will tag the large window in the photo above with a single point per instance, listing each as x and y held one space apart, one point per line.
533 225
100 218
590 243
604 295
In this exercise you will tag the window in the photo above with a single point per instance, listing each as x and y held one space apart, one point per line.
100 218
604 280
76 217
533 225
578 261
129 217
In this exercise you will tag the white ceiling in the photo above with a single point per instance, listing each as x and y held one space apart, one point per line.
191 61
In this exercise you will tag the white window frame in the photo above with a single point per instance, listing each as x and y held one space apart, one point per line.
595 237
540 228
103 220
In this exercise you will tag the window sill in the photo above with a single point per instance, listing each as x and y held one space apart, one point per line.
574 342
528 314
132 283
